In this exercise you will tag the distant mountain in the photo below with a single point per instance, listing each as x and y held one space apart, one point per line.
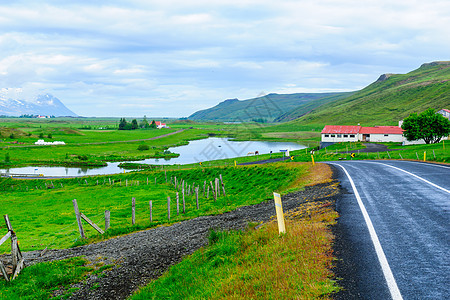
266 108
46 105
389 99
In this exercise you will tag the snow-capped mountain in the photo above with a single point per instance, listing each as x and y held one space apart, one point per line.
47 105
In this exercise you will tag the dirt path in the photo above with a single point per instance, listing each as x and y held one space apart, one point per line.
146 255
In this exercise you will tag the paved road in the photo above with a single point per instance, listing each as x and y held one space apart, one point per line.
405 253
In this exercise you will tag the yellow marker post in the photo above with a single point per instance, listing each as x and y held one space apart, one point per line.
280 216
235 163
292 157
424 155
312 157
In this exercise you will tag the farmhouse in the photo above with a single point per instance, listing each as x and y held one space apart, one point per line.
43 143
160 125
334 134
381 134
445 113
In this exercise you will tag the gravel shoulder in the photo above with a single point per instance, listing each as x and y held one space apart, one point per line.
142 256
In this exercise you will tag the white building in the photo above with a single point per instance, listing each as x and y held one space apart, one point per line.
335 134
160 125
382 134
445 113
44 143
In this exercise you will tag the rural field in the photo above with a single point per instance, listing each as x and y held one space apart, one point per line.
41 210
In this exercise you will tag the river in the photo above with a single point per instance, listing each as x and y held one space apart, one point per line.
196 151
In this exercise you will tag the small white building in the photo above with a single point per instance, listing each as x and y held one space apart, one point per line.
445 113
336 134
160 125
44 143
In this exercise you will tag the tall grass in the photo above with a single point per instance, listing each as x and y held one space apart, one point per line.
258 264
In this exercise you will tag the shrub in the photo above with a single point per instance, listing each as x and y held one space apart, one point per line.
143 147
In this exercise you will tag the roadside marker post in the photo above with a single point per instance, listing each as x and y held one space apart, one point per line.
424 155
280 216
312 157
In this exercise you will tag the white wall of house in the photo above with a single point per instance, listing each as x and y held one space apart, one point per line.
384 138
336 138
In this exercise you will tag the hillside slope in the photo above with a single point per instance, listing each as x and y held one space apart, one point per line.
266 108
391 98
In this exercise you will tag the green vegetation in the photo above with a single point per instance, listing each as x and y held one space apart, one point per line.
257 264
40 281
390 99
428 125
267 108
46 216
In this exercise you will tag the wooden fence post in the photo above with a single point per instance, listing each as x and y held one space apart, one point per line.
178 204
400 155
168 208
212 190
204 189
133 211
77 214
107 219
150 203
207 193
196 196
184 203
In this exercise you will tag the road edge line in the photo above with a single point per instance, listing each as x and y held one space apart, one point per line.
387 272
414 175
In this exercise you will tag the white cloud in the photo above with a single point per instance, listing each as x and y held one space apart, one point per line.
196 53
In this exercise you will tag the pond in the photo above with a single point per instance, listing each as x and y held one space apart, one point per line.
196 151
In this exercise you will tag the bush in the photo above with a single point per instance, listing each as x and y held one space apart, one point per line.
143 147
50 136
41 135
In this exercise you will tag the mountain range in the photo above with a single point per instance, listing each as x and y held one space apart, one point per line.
390 98
46 105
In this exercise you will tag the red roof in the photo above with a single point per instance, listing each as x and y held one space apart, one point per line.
381 130
159 123
446 110
341 129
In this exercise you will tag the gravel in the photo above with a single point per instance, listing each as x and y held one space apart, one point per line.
139 257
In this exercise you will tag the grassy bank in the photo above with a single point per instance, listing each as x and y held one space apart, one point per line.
257 264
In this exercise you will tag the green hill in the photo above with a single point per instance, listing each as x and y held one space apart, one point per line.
391 98
267 108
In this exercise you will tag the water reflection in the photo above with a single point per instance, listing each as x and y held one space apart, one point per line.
196 151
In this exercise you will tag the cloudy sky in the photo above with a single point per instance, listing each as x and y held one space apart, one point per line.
172 58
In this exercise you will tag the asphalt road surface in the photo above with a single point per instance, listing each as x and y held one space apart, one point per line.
394 230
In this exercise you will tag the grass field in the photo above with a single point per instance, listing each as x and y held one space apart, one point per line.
46 216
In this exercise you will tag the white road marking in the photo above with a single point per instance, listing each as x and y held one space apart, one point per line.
418 177
389 277
425 163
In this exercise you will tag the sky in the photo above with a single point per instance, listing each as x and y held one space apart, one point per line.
170 58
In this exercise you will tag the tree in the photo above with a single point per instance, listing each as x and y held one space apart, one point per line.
144 123
153 125
122 123
428 125
134 124
7 158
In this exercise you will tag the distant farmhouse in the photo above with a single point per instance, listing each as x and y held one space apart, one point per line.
160 125
445 113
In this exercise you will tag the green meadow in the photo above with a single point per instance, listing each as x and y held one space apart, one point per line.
42 212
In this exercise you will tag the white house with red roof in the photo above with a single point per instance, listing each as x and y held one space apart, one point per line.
335 134
445 113
381 134
160 125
